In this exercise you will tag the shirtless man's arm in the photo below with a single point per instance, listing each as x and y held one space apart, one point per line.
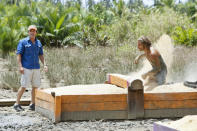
138 58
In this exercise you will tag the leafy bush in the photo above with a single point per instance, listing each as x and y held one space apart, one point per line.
9 38
185 36
149 22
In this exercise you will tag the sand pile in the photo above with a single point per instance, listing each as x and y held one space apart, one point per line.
187 123
93 89
170 88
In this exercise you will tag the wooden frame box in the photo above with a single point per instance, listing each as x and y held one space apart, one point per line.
106 101
83 103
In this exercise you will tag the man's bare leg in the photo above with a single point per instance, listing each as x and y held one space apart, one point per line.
149 79
150 83
17 105
33 95
19 95
32 105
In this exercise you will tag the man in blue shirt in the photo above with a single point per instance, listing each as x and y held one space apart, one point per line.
29 51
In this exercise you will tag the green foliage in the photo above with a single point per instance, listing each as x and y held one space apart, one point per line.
149 22
103 23
168 3
185 36
9 39
190 8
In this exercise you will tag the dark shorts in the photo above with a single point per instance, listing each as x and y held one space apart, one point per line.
161 77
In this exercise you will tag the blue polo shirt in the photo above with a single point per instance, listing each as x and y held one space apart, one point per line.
30 53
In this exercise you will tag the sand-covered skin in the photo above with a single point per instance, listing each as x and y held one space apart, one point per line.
187 123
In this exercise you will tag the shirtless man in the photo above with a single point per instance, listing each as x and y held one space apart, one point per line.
159 69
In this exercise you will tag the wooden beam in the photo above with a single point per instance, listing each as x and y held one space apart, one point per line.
45 112
40 94
136 100
44 104
94 106
66 99
118 81
170 96
10 102
57 109
170 104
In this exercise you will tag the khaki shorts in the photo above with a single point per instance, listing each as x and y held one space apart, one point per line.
30 77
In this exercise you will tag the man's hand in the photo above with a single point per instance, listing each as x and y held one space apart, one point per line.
136 60
149 75
21 70
45 68
144 76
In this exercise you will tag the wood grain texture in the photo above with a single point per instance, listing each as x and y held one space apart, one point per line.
40 94
115 80
93 98
44 104
135 101
10 102
57 108
45 112
170 104
170 96
94 106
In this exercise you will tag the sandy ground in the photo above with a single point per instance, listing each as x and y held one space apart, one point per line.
29 120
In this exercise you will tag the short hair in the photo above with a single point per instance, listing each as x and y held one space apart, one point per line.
145 41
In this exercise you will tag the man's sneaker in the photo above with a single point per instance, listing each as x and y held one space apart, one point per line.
32 107
18 107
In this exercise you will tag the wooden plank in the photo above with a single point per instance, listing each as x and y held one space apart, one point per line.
57 109
44 104
45 112
93 98
170 104
170 96
135 100
10 102
94 115
40 94
94 106
115 80
169 113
